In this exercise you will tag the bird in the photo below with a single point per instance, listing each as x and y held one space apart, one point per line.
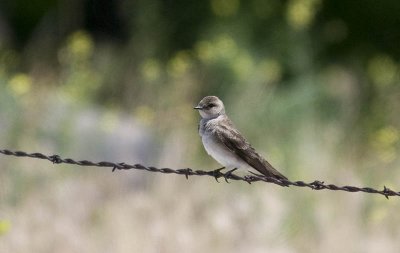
226 144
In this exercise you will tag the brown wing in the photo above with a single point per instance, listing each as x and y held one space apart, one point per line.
234 141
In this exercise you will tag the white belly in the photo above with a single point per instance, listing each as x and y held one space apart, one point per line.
222 154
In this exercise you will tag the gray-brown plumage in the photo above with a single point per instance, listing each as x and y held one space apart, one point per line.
225 143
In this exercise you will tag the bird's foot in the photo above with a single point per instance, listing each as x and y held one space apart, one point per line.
249 178
217 173
229 174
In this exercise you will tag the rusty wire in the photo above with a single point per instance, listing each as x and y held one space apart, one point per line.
315 185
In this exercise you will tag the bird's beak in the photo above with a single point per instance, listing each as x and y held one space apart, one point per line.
198 107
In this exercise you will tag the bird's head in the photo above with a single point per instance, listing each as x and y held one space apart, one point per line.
210 107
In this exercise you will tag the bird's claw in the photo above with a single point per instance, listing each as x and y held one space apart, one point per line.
228 175
248 178
217 173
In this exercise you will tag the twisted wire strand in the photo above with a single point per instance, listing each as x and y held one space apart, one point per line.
315 185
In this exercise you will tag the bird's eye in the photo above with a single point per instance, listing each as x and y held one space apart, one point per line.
211 105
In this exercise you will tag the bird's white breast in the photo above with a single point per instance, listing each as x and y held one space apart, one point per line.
221 153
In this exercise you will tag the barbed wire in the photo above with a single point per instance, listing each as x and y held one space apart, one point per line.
315 185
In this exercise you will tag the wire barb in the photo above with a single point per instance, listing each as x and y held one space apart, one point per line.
55 159
316 185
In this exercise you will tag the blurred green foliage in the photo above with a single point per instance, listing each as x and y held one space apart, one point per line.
330 62
323 61
4 226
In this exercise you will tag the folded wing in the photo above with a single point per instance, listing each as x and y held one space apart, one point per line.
234 141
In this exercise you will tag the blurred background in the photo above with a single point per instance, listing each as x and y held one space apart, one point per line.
314 86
